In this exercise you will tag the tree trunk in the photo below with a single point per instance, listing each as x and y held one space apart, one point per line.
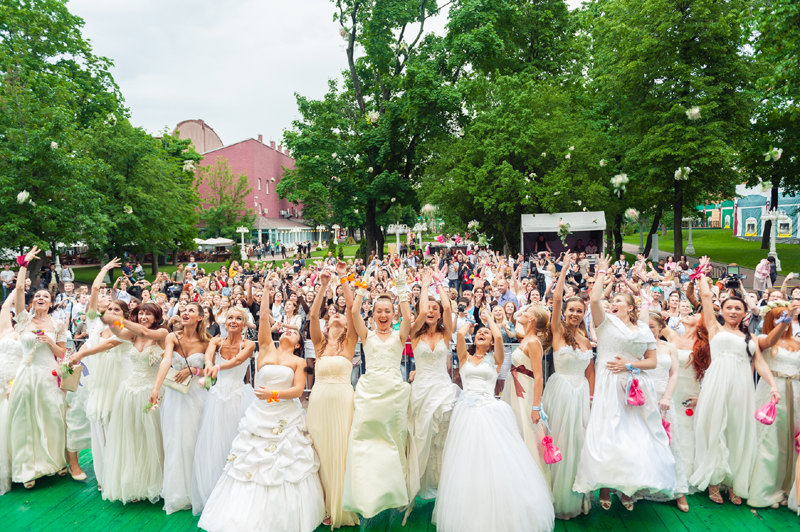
154 266
677 214
773 204
609 238
381 239
653 228
618 234
175 257
505 242
370 228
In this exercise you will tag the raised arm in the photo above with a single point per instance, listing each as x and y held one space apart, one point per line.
447 310
461 343
709 318
129 330
424 304
5 312
313 317
22 275
98 282
265 344
497 335
355 312
596 295
781 324
405 308
558 297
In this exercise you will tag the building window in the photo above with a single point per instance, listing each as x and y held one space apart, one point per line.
266 186
259 183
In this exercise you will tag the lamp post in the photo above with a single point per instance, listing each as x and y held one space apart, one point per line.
242 230
335 228
689 245
419 228
320 229
773 216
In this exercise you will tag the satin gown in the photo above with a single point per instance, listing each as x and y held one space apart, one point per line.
566 402
725 426
180 423
36 408
687 387
330 415
625 448
774 466
227 402
375 478
10 358
489 479
518 393
433 396
270 482
134 448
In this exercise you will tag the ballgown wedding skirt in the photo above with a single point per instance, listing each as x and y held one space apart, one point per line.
270 480
10 358
489 479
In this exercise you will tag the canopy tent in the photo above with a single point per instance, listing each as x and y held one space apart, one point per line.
214 242
583 227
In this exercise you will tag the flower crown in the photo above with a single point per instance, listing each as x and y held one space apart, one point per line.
774 304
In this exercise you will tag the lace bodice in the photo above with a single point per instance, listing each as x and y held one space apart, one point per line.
783 361
144 365
333 369
275 377
383 355
660 374
35 352
478 381
572 363
10 358
431 363
614 339
728 344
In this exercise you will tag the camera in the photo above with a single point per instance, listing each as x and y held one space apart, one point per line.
461 307
733 277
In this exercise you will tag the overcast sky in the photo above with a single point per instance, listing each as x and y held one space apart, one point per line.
236 64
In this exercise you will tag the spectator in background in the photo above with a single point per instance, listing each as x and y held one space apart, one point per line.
7 277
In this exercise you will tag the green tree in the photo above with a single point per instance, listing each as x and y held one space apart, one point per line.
224 206
654 62
52 90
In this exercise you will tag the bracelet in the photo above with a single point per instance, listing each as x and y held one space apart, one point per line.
217 367
591 397
536 409
629 366
22 262
275 397
785 318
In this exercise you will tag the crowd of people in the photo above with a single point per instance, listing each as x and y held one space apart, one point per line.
508 389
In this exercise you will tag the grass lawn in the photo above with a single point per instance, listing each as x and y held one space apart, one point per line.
722 246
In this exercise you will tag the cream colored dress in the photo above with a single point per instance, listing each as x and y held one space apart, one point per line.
518 392
375 478
329 417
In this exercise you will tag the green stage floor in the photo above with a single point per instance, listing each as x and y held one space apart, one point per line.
61 504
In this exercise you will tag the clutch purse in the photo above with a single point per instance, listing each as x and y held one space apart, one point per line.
182 387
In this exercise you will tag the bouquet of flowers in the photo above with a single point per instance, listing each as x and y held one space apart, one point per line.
563 231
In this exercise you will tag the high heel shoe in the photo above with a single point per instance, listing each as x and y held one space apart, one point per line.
714 494
627 503
28 485
735 499
80 477
605 504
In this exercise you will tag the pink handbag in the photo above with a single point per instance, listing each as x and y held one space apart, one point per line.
767 413
667 428
552 454
634 395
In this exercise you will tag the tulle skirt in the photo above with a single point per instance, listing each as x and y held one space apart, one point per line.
5 456
625 447
433 397
330 415
489 480
134 449
79 432
270 481
180 423
223 411
566 402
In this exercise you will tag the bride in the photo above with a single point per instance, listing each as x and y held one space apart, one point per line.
484 453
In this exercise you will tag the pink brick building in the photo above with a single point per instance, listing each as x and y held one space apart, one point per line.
264 164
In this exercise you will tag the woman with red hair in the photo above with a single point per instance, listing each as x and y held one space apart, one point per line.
773 470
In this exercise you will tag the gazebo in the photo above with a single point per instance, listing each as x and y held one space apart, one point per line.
583 226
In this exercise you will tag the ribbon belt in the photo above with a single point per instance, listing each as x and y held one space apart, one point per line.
518 385
788 379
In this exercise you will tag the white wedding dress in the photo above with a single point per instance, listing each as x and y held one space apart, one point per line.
36 408
270 482
227 402
180 422
687 387
625 448
10 358
433 396
489 479
134 449
566 403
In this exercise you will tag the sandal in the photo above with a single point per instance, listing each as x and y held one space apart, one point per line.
63 472
28 485
605 504
627 502
734 498
714 494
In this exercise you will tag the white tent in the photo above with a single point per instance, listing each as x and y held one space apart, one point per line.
582 225
225 242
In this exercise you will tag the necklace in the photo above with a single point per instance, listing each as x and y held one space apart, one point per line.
384 331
